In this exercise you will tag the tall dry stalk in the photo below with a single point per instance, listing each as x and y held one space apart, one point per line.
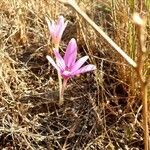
140 23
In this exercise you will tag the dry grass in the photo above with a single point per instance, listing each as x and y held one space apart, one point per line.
101 111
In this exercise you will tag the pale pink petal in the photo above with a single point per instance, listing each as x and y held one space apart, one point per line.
60 30
79 63
52 62
59 60
60 21
71 53
51 26
84 69
61 26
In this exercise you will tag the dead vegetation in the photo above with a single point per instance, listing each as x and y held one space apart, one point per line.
102 111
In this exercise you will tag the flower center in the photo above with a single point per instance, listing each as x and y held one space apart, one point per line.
66 72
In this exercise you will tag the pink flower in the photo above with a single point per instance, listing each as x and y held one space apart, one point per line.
56 29
68 66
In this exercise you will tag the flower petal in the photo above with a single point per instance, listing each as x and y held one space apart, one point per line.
52 62
60 21
59 60
71 53
79 63
61 26
51 26
84 69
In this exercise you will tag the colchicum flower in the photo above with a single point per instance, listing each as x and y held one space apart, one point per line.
68 66
56 29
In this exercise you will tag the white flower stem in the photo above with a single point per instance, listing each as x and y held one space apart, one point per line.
61 100
60 87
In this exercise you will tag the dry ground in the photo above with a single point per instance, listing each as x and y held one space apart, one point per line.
102 110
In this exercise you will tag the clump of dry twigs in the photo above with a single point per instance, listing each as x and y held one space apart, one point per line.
101 110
